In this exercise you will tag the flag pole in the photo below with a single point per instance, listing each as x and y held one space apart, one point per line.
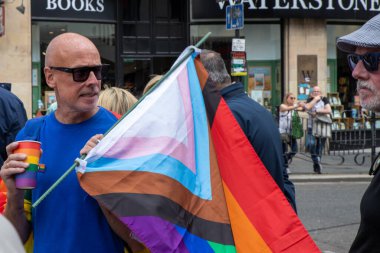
175 66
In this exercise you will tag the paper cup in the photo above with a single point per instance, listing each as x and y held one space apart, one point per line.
32 149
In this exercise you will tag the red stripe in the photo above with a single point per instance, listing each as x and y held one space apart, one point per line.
254 189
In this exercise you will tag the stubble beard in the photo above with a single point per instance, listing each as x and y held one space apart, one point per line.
369 101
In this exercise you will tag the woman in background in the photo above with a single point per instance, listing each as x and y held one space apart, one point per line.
116 100
285 127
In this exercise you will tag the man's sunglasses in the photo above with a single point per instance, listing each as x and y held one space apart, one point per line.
81 74
370 61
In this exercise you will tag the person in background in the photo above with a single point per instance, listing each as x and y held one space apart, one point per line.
316 104
116 100
68 220
151 83
256 122
285 127
12 119
363 48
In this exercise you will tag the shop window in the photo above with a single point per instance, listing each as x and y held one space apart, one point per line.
137 10
143 45
263 55
163 20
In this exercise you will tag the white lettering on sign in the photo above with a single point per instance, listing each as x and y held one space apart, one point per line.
295 5
330 5
346 5
80 6
364 5
281 4
373 8
76 5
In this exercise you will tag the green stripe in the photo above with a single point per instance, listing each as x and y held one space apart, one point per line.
32 167
222 248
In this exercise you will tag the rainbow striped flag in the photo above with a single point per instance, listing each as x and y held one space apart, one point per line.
167 170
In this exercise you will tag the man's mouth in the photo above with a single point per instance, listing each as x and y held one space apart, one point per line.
92 94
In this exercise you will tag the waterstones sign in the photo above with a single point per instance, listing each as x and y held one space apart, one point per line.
326 9
100 10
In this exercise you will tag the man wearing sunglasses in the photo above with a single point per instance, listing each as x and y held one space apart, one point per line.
363 48
68 220
315 105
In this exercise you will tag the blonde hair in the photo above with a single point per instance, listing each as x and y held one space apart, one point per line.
152 82
287 95
116 99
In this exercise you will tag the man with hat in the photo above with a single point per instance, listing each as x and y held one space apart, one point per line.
363 46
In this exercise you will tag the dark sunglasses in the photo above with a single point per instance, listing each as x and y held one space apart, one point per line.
81 74
292 98
370 61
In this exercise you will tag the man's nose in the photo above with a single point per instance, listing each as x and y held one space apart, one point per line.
360 72
92 78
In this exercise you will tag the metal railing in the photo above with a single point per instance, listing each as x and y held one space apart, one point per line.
360 142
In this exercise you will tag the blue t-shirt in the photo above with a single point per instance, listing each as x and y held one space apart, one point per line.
68 219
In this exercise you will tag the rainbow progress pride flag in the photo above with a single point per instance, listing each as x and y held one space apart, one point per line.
174 170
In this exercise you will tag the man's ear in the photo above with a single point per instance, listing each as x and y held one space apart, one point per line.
49 77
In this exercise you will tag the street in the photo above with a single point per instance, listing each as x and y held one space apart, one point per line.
330 212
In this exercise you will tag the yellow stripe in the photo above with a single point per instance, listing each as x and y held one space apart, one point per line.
32 159
246 237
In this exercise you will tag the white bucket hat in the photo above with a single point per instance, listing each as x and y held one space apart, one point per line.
366 36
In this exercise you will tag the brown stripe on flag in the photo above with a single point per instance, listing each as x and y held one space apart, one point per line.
157 184
210 94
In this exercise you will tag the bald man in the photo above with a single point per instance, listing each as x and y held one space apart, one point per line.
68 220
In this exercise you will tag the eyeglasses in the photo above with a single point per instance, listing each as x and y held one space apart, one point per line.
292 97
375 165
81 74
370 61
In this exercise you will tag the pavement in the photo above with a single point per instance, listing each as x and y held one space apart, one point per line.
336 167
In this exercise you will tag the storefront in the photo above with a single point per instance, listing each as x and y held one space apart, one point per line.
290 47
289 44
138 38
93 19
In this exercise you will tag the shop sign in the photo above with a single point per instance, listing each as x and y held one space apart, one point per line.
332 9
238 45
100 10
238 64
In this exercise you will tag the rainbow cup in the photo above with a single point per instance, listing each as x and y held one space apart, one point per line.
28 179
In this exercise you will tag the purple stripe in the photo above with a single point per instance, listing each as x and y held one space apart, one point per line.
159 236
26 180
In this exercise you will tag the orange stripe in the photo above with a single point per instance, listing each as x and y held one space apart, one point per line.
28 151
246 237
